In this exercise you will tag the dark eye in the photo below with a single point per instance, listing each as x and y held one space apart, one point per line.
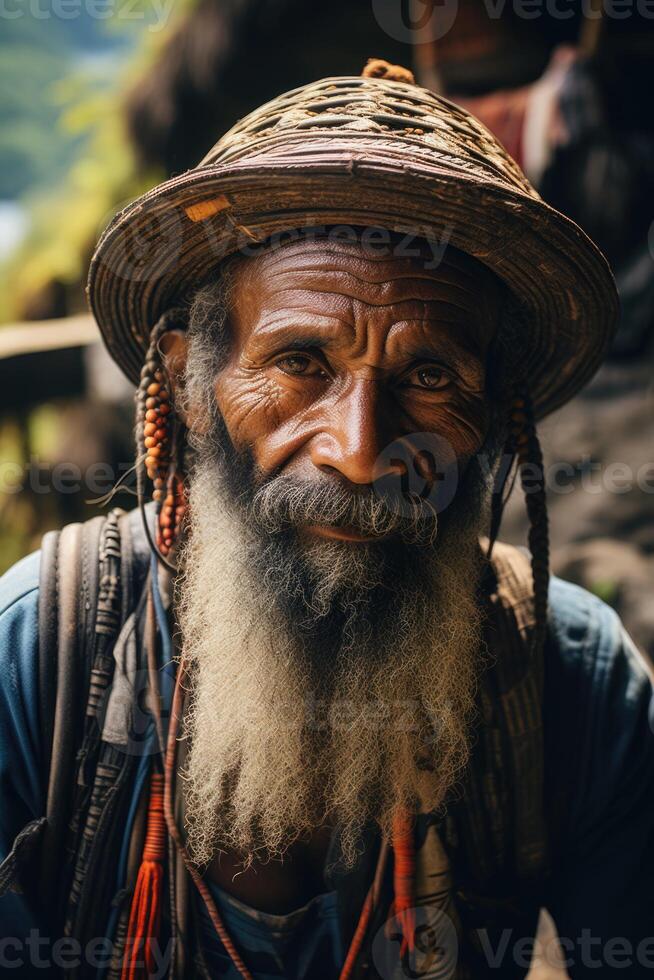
300 364
430 377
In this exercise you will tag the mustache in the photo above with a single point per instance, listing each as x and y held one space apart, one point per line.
284 503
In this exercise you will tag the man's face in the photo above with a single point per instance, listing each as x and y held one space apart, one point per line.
334 637
338 351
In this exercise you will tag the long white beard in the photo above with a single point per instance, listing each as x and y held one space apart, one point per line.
280 744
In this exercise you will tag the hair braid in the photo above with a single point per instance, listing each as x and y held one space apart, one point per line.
526 445
151 372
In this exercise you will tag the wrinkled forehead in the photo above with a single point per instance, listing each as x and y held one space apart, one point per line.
372 265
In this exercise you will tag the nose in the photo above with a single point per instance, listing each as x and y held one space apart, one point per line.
357 430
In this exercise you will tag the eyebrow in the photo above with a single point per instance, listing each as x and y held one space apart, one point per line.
296 334
309 337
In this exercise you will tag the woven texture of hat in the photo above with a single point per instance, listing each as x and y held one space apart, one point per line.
414 125
365 152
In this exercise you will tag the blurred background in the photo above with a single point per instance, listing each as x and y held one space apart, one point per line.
101 99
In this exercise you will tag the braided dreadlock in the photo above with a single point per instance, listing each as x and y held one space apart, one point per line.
530 461
158 443
523 449
522 455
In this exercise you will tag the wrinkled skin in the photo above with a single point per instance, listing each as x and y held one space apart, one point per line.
334 355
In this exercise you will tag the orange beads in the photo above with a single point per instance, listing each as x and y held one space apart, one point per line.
172 513
155 433
159 444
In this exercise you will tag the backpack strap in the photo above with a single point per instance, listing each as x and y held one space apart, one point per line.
495 830
107 766
520 675
48 626
65 581
69 579
135 556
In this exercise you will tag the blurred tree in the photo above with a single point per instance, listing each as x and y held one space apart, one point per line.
225 57
31 150
35 54
65 151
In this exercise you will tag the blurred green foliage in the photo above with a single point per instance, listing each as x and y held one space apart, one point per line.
66 161
64 152
34 55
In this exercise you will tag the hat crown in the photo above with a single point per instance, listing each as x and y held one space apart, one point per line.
360 115
370 152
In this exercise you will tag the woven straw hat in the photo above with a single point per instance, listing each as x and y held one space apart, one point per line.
361 152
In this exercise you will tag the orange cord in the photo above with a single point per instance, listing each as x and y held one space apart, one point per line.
145 912
214 915
404 880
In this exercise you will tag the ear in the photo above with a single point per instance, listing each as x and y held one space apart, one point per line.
173 347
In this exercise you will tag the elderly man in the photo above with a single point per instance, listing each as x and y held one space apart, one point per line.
309 719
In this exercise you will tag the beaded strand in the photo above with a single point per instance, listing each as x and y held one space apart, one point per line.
156 439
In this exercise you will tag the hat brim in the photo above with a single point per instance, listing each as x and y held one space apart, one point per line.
170 240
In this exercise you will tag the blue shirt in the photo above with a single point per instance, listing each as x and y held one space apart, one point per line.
307 943
599 718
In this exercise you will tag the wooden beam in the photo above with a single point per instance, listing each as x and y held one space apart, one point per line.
38 336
